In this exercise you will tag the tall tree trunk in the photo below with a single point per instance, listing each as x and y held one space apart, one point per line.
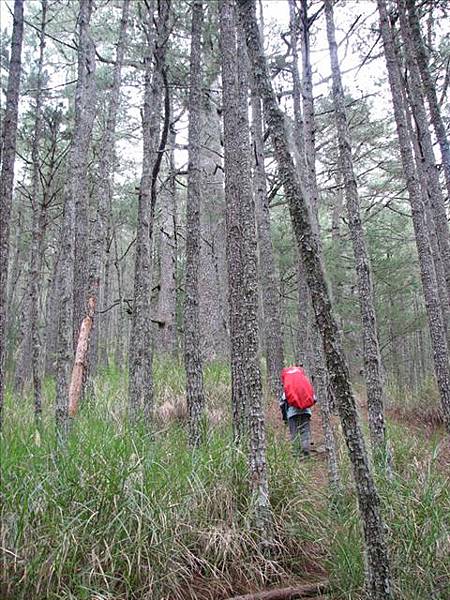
241 235
379 580
84 121
74 191
7 157
167 296
39 229
306 127
140 350
429 88
192 350
371 349
99 241
268 276
425 143
427 271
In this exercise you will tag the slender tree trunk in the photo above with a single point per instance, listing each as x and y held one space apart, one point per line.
7 157
425 143
75 191
242 238
84 121
268 276
371 350
305 136
428 275
379 580
140 350
192 349
429 88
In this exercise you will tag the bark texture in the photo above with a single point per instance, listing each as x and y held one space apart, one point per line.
140 352
192 348
7 157
371 349
243 282
76 185
421 55
427 270
425 143
378 579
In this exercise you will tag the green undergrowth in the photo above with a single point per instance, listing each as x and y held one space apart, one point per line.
125 512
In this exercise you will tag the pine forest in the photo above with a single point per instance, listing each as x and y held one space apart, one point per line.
225 299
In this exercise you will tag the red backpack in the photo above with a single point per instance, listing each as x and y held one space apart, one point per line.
297 388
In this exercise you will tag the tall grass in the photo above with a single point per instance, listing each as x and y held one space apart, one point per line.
126 513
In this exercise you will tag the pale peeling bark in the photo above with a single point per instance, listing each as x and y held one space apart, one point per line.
192 349
427 271
273 332
371 348
242 237
378 580
429 89
76 185
140 351
7 156
425 143
84 122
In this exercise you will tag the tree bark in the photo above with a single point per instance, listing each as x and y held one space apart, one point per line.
140 351
7 157
273 332
84 122
371 349
192 348
74 191
241 236
379 579
429 88
419 112
427 271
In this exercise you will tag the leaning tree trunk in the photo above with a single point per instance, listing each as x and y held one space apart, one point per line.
429 89
192 349
7 157
425 142
75 190
241 237
379 579
427 271
140 350
371 348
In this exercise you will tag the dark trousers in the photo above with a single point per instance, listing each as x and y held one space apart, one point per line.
300 430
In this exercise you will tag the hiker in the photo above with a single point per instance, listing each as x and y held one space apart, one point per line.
296 401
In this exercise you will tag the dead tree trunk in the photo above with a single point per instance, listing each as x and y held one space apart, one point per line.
379 579
427 271
192 349
7 157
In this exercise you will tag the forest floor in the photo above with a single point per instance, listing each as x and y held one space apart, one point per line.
121 513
